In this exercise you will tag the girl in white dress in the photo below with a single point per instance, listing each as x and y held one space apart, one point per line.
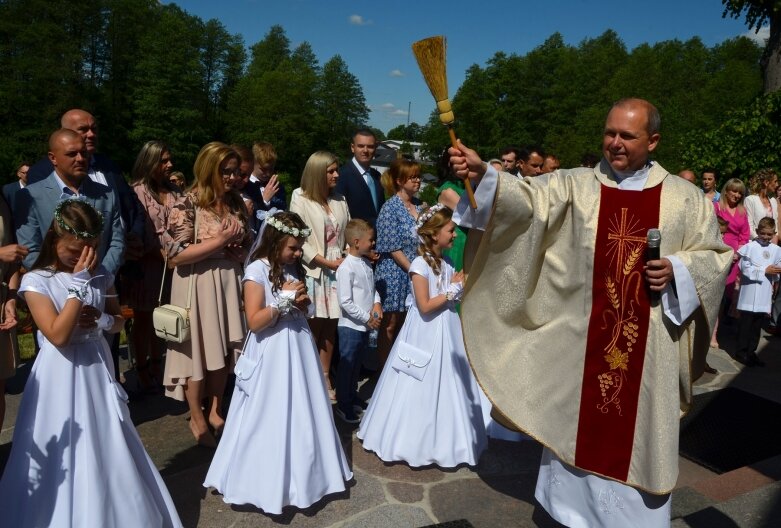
426 406
77 459
280 446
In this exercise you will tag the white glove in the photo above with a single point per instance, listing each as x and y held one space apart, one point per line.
455 291
105 322
78 287
285 301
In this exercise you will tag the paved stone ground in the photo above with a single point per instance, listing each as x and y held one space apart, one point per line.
497 493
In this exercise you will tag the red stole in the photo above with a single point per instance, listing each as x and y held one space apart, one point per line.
617 332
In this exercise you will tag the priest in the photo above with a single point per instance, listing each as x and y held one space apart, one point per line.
578 336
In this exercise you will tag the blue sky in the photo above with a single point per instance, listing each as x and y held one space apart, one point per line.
374 38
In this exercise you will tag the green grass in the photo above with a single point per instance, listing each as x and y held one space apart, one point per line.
26 346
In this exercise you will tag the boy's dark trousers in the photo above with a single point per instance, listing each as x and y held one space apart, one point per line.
749 331
352 349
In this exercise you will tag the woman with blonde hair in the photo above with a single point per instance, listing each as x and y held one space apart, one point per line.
210 234
736 233
397 244
152 184
325 211
762 201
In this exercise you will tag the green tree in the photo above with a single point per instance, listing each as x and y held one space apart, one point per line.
222 59
341 106
256 110
44 71
411 132
749 139
757 13
168 81
557 95
126 22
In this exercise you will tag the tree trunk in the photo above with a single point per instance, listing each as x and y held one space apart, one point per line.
771 58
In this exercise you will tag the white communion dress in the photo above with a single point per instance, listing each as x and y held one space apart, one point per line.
437 419
280 446
77 459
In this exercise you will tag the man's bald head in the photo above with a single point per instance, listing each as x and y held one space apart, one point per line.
68 154
688 175
652 114
60 135
84 123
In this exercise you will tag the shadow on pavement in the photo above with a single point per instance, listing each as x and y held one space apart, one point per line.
710 518
289 513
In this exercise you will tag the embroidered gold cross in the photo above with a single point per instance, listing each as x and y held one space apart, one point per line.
621 237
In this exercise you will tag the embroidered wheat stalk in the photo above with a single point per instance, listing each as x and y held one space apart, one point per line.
612 294
634 256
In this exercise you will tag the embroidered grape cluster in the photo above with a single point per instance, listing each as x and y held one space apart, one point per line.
630 333
605 382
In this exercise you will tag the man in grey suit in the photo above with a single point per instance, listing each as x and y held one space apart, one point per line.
34 205
102 170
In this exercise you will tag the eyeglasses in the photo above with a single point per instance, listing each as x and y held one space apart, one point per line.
415 178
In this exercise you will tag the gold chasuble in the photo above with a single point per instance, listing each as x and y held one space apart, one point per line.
558 323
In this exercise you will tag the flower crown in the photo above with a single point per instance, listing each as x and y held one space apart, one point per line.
294 231
428 214
70 229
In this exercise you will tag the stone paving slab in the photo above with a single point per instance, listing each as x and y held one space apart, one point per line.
758 509
497 493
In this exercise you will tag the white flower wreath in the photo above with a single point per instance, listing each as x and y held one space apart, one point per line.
294 231
428 214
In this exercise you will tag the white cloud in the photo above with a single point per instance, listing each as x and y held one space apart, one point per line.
358 20
390 110
759 37
396 73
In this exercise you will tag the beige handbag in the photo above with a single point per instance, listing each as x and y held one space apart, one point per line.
172 322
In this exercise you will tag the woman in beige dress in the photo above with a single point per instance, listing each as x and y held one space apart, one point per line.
10 257
198 368
326 213
152 185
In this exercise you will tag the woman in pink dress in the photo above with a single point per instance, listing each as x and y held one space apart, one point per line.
151 183
730 208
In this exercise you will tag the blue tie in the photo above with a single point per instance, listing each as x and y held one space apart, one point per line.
372 189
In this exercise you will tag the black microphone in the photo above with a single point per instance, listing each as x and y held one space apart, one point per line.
654 239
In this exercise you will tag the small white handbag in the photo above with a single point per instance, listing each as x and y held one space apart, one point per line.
172 322
411 360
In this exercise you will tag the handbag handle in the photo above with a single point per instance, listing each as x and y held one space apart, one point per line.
192 267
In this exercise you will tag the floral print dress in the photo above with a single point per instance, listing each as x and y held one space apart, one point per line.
395 231
322 291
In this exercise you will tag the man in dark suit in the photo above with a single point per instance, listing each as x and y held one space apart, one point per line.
10 189
359 182
34 206
101 170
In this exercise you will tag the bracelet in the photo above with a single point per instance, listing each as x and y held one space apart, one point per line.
450 295
76 293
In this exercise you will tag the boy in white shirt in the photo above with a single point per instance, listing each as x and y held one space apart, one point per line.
760 266
361 312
